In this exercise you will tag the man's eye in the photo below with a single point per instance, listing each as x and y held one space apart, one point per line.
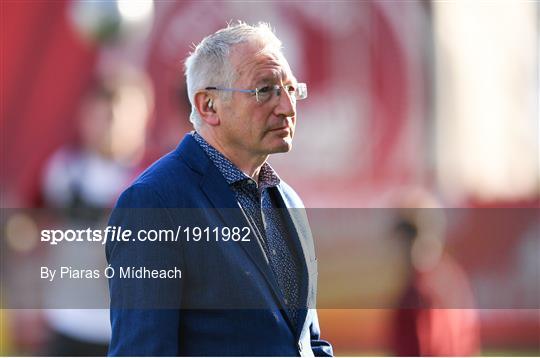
265 89
290 88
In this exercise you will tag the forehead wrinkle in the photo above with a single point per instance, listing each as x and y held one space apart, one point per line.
272 71
276 76
257 64
271 64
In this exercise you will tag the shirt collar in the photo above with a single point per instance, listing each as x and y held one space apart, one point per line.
267 175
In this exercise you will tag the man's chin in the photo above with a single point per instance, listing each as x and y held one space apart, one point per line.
284 146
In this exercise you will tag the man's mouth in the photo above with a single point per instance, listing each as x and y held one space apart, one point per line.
280 128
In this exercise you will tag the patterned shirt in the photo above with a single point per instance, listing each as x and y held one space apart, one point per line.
264 216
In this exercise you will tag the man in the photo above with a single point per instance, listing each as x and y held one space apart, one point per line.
431 319
252 296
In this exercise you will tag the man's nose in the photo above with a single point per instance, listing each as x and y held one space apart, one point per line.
286 106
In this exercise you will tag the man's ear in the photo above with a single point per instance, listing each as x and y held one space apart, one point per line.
206 106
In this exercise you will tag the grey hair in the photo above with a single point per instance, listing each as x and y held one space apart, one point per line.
209 64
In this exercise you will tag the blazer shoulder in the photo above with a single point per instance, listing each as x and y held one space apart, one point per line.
168 182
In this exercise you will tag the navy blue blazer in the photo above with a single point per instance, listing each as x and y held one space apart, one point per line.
227 301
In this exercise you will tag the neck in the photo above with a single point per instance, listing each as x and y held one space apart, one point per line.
248 163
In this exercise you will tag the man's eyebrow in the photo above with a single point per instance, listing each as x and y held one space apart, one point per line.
275 78
267 78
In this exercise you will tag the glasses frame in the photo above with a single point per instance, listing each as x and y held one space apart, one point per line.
299 93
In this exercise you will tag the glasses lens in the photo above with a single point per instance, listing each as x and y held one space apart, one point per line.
264 93
301 91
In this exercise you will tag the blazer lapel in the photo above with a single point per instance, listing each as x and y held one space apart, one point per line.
301 236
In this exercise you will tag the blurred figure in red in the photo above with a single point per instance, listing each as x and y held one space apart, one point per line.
436 315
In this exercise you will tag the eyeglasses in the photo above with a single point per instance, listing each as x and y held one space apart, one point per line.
264 94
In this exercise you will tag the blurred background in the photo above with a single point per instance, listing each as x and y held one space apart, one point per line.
424 114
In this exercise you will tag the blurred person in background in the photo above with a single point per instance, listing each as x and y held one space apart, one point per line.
83 179
255 297
436 314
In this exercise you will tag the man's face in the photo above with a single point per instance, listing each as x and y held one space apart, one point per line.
264 127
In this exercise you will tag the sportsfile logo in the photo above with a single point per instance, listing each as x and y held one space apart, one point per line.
117 233
112 233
